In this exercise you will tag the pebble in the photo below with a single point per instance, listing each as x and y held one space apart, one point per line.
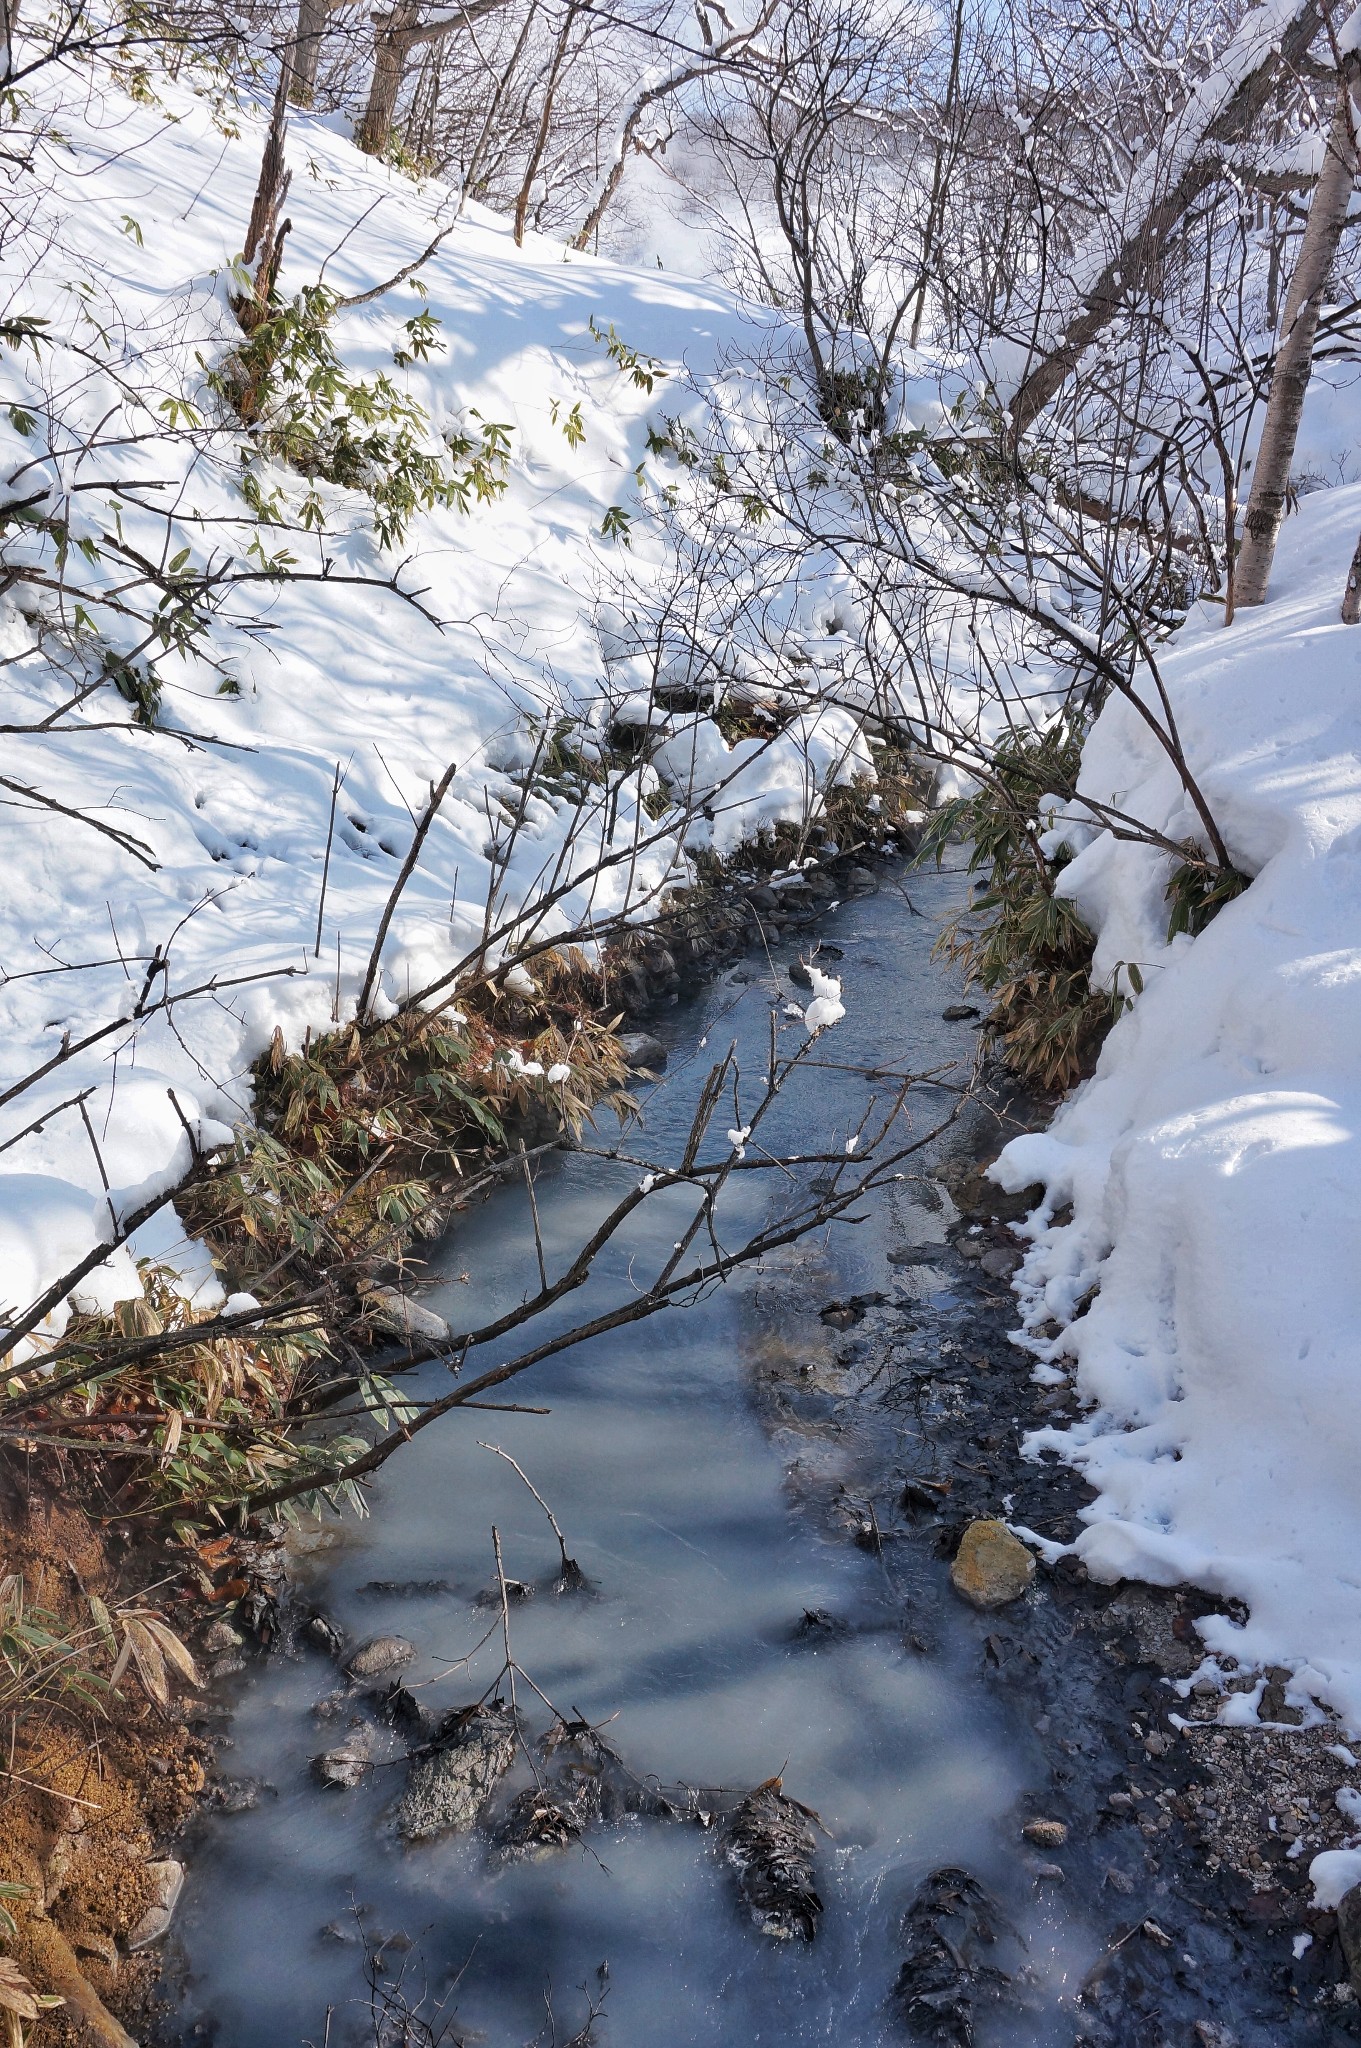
957 1012
1001 1262
992 1567
642 1052
402 1317
1046 1834
222 1636
347 1764
167 1879
379 1658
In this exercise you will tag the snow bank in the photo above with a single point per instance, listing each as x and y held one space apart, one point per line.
1213 1162
228 799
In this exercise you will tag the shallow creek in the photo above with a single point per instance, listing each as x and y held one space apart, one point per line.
685 1487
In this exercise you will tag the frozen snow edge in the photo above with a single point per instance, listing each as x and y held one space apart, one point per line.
1212 1161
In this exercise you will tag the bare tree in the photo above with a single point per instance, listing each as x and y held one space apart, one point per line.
1183 162
397 33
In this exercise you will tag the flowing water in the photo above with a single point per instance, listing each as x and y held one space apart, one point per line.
684 1484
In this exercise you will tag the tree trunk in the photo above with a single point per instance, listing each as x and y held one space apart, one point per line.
312 17
522 197
1290 374
389 61
1351 597
1195 139
9 28
936 208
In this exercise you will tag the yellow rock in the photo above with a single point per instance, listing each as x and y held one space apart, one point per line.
991 1565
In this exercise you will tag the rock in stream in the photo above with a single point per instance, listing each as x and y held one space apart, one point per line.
449 1785
769 1843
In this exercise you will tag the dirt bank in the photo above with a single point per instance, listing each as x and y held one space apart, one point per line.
97 1783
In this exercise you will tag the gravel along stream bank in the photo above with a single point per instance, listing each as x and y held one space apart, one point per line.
1193 1839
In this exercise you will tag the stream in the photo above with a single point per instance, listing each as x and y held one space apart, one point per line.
703 1467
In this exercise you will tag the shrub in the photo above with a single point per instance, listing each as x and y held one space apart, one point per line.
288 386
1020 941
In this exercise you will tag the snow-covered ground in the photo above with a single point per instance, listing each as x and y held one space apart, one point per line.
1213 1162
123 242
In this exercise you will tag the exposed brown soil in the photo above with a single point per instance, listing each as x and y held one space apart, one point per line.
90 1794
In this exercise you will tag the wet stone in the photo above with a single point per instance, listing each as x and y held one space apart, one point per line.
379 1659
517 1591
233 1795
448 1788
1272 1705
401 1317
347 1764
642 1053
992 1567
817 1625
321 1632
1046 1834
956 1013
1349 1932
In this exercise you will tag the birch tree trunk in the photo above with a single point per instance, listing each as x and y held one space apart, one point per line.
1295 354
9 28
1164 186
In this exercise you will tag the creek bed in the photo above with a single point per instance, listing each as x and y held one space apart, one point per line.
704 1467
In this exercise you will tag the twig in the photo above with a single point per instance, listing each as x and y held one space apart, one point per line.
40 1122
326 864
51 1791
534 1212
138 848
572 1574
408 865
505 1626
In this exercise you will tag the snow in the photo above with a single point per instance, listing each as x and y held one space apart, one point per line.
222 811
1333 1874
826 1007
1213 1161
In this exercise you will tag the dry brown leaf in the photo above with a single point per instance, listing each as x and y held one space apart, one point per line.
174 1426
174 1650
146 1655
16 1993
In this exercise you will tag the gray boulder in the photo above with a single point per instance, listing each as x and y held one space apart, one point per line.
448 1787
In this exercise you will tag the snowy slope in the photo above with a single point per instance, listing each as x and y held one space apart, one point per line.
229 799
1214 1160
